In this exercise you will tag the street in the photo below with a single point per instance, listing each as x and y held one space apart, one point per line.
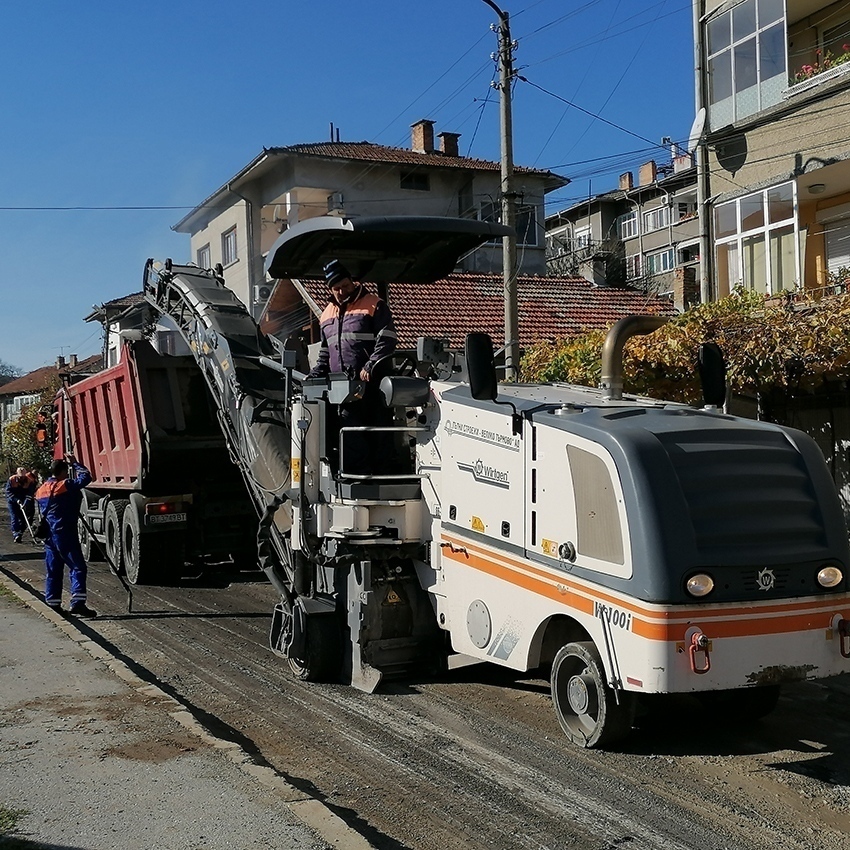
475 759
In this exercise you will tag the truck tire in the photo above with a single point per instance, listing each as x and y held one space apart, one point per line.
112 520
588 711
92 549
150 557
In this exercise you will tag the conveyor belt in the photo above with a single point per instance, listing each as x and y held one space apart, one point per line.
250 399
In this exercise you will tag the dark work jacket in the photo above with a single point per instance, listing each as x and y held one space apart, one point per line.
355 335
59 501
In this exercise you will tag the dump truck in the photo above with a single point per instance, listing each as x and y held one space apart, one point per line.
622 546
164 489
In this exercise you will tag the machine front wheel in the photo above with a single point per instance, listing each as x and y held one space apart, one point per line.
590 713
322 656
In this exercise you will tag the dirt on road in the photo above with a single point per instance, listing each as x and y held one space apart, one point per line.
475 759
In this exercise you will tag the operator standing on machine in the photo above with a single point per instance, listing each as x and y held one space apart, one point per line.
357 331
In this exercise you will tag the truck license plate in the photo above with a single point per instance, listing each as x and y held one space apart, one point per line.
158 518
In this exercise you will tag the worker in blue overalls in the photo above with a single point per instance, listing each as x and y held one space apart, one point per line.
59 500
20 493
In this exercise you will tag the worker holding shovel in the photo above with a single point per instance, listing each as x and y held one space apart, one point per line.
20 497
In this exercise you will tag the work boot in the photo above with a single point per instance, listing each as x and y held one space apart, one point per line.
17 538
82 610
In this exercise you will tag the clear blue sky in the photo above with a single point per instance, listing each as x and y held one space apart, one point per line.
109 105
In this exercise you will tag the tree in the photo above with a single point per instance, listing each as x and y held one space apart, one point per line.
8 372
788 343
20 447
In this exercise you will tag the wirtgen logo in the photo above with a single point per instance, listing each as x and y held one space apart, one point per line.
486 474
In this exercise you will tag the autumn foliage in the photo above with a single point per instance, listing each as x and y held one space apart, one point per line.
789 342
20 447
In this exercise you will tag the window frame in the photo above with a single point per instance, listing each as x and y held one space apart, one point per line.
733 49
416 181
204 249
229 247
630 218
656 218
741 238
650 257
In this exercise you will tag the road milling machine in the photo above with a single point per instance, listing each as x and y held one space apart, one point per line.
623 546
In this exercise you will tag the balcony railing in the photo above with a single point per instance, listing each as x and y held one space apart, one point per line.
824 69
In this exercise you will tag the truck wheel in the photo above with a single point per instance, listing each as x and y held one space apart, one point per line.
150 557
741 705
323 650
112 520
587 708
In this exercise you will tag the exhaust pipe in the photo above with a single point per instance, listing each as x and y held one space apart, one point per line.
612 351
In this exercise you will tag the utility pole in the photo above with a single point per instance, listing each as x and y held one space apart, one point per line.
509 260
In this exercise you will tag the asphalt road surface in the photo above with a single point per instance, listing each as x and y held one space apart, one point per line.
475 759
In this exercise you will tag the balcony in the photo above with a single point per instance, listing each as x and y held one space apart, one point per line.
818 44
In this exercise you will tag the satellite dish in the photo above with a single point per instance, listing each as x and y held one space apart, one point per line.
697 129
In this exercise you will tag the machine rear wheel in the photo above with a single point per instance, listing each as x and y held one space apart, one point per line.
322 659
587 709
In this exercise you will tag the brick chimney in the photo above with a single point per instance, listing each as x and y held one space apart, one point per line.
448 143
627 181
72 361
60 362
648 173
422 136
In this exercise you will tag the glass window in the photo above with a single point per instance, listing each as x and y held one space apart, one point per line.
780 203
228 247
632 266
752 212
203 257
770 11
417 180
747 57
656 219
719 34
627 225
720 77
743 20
772 52
745 65
581 238
725 220
763 254
660 262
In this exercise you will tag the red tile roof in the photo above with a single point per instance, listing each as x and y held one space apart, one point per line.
39 379
370 152
549 307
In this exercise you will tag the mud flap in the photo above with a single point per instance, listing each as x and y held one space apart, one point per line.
357 672
287 631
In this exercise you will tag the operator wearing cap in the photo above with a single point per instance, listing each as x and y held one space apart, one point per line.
357 331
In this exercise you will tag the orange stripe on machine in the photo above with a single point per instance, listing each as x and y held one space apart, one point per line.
662 623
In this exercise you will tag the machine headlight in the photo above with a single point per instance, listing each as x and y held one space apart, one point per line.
830 576
700 585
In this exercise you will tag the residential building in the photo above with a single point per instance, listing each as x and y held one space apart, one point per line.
645 235
774 158
26 390
131 314
240 221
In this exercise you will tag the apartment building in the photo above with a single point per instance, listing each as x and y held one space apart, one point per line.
239 222
644 235
773 83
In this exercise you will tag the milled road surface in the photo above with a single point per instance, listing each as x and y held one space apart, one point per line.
476 759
